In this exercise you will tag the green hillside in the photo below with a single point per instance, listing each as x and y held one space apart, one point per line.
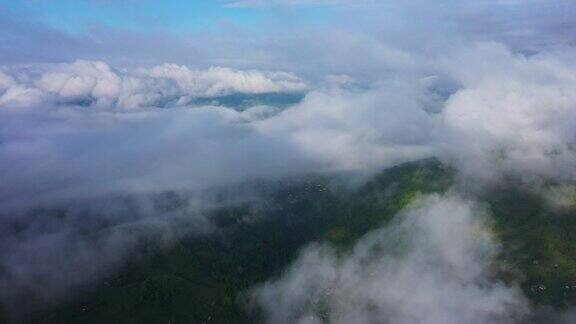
205 279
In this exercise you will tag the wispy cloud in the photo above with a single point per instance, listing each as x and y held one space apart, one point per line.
429 266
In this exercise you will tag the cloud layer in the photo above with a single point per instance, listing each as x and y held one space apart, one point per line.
85 128
430 265
94 83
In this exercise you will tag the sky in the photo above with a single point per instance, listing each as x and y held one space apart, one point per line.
144 31
179 17
77 17
100 99
204 33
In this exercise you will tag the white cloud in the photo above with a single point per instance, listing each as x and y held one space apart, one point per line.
21 96
431 265
51 152
512 115
5 80
217 81
357 131
484 109
82 78
97 84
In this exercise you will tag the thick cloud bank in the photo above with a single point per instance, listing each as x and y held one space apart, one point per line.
53 150
96 84
67 131
512 115
432 264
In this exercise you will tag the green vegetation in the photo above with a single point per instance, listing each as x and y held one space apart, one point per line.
539 244
204 279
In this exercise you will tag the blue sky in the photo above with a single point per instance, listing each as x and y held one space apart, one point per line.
126 31
269 34
76 16
178 16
